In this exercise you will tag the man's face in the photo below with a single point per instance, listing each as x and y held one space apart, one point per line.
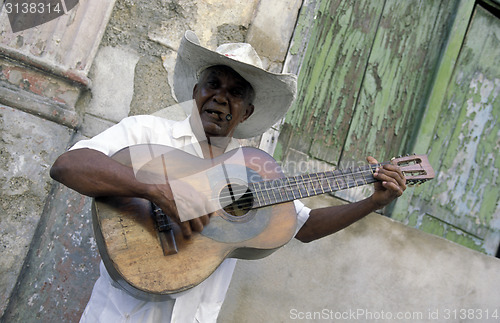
221 91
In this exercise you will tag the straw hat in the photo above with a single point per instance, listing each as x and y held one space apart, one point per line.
274 93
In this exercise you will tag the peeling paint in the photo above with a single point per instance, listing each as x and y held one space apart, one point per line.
363 78
367 102
465 145
471 183
333 67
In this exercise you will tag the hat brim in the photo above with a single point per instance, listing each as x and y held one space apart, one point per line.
274 93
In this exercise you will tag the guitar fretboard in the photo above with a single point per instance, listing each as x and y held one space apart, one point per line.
287 189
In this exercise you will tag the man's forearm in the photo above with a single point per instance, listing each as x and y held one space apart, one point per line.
322 222
328 220
92 173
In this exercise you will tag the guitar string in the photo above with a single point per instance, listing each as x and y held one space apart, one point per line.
353 180
286 186
247 202
303 182
333 176
309 180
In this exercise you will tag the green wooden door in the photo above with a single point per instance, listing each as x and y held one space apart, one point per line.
389 77
363 81
462 203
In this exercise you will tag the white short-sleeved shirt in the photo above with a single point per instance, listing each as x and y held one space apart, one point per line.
199 304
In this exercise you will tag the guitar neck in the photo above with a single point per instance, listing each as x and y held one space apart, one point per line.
270 192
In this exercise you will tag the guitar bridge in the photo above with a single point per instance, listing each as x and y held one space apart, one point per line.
165 231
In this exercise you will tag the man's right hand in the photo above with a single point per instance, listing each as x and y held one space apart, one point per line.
191 204
94 174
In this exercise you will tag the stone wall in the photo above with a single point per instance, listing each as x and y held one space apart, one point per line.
118 62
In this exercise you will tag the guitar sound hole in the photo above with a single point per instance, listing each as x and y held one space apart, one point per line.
237 200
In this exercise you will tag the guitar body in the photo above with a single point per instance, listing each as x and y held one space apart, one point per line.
244 190
127 235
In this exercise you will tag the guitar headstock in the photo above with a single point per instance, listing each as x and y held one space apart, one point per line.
416 168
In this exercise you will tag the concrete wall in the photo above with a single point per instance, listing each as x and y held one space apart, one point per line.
49 257
376 270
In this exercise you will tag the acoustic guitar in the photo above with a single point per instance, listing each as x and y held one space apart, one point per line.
252 214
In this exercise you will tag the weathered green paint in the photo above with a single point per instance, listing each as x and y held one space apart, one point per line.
465 239
391 77
464 144
432 225
331 74
443 76
398 77
437 227
278 152
357 84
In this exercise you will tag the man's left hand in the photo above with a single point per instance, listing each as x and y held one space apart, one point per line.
391 184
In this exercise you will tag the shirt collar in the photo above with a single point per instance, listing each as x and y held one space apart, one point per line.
183 129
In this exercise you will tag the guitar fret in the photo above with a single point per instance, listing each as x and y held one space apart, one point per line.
258 193
367 175
276 186
256 201
268 192
295 179
273 188
268 188
294 186
321 182
362 172
372 169
285 190
336 181
307 184
318 181
280 189
324 184
255 193
290 189
357 176
272 184
348 176
328 175
313 184
341 179
352 177
304 188
263 193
